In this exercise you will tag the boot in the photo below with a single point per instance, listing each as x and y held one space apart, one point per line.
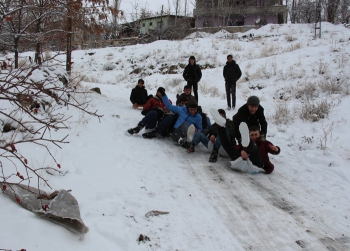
149 135
214 155
136 129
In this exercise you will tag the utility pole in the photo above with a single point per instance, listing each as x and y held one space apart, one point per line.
161 23
318 19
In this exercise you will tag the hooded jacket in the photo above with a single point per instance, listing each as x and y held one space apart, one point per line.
192 73
184 115
232 72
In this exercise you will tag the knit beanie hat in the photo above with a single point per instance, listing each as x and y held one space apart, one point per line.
192 104
253 100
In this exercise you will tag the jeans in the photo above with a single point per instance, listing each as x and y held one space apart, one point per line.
231 91
150 120
180 132
166 124
199 137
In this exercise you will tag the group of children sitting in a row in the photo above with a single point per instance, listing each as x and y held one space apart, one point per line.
243 138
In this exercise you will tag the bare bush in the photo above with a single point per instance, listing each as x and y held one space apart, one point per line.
213 91
308 91
268 51
322 67
174 82
290 38
334 85
282 114
315 111
109 66
327 135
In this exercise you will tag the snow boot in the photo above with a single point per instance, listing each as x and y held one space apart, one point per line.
221 121
136 129
214 155
149 135
243 129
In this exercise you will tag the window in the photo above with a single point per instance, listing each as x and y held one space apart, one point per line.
143 24
150 24
208 23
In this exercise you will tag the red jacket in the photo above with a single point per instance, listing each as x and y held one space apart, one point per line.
264 150
153 102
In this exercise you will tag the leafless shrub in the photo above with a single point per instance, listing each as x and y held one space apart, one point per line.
268 51
174 82
342 59
109 66
293 47
290 38
308 91
237 47
334 85
327 135
282 114
214 92
92 79
315 111
322 67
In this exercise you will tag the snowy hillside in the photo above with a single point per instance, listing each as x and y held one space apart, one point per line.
303 84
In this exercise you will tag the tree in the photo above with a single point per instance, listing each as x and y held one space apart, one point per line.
33 101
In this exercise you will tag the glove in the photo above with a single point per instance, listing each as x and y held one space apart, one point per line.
262 137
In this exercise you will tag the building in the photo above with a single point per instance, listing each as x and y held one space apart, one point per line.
150 24
213 13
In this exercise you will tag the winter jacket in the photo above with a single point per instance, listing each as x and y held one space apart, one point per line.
184 115
264 150
256 119
192 73
153 102
138 95
232 72
189 97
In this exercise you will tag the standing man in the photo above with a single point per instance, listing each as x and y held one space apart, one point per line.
232 73
192 74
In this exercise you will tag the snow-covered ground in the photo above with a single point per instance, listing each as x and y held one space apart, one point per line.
117 178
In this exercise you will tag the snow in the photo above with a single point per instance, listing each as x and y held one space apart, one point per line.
117 178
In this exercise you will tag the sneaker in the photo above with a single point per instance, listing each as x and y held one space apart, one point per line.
233 107
149 135
214 155
221 121
243 129
181 141
228 108
190 132
136 129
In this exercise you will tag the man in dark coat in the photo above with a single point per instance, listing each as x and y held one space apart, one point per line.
231 73
252 113
139 96
186 93
192 74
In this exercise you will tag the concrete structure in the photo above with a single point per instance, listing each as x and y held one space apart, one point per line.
213 13
162 22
